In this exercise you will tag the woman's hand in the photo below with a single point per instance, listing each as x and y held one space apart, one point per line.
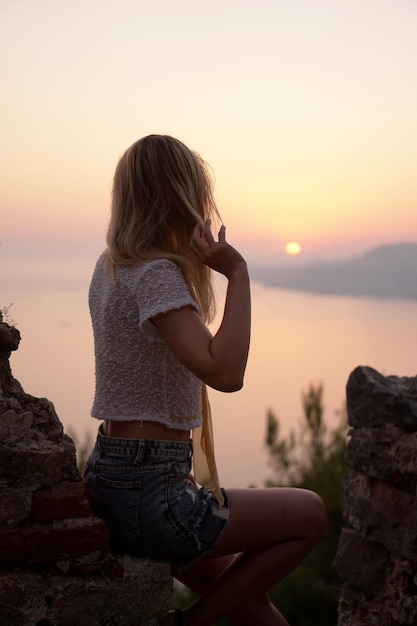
219 361
219 255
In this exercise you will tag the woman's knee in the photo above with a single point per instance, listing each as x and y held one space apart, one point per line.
316 516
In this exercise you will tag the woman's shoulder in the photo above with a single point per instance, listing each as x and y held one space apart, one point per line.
147 271
157 266
155 269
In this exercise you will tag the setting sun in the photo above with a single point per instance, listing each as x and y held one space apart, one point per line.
292 247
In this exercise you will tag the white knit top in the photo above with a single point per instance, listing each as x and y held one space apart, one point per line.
137 376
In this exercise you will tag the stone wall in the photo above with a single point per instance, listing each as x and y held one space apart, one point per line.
56 567
377 555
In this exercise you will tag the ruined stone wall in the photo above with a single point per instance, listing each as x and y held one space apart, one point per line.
377 555
56 567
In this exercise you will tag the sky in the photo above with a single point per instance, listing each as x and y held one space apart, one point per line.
305 110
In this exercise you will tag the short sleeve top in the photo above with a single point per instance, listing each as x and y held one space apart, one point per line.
137 376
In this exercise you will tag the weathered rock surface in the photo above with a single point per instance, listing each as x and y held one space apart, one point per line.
377 556
56 567
374 399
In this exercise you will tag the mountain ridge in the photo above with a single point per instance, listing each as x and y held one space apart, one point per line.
387 271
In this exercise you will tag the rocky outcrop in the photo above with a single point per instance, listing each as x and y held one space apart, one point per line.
377 555
56 567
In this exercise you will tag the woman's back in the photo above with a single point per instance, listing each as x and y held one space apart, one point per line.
137 376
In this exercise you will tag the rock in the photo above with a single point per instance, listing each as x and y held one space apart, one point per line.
56 566
382 513
374 399
361 563
41 462
41 543
141 590
9 341
377 557
386 452
65 500
15 506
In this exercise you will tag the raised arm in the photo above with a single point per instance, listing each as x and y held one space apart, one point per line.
219 360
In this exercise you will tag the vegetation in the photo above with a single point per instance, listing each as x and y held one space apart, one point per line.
5 315
313 459
83 448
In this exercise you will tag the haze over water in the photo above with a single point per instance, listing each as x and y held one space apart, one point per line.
297 339
306 112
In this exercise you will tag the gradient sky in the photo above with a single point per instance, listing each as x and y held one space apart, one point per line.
305 109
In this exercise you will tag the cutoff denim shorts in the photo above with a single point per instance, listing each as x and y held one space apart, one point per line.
140 489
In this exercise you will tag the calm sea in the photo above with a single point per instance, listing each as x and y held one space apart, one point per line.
297 339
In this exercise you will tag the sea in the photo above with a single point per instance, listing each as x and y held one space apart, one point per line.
298 339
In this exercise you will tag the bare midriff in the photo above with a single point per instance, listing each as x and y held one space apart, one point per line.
143 430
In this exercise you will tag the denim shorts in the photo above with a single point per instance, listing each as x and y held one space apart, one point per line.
140 488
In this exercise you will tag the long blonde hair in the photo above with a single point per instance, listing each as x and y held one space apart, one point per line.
161 189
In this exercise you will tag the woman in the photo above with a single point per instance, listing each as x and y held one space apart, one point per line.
150 300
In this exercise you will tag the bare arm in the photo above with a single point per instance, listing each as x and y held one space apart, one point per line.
219 360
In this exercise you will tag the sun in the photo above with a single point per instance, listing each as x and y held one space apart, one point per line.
292 247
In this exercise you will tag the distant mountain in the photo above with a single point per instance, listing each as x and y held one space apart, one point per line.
385 272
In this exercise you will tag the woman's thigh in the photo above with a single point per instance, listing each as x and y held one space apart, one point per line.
201 574
264 517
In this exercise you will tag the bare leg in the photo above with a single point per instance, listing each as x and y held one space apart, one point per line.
270 531
203 573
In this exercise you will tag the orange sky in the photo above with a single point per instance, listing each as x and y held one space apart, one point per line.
305 110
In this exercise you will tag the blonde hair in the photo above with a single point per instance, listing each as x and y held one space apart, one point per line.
161 189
